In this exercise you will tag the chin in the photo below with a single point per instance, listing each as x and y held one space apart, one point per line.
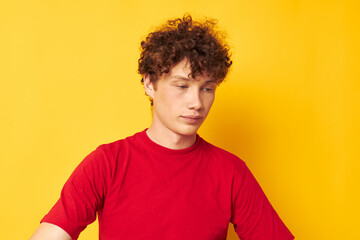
188 130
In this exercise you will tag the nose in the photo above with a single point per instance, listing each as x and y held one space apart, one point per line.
194 100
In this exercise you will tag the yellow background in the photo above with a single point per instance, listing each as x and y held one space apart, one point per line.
289 108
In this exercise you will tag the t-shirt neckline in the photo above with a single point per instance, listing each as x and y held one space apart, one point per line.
164 150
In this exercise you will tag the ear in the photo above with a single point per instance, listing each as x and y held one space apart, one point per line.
148 86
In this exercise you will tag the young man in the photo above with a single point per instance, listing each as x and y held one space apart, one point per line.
166 182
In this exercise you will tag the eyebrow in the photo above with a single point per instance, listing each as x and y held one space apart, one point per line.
180 77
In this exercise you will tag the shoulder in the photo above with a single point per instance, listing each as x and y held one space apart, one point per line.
106 158
119 146
224 157
107 155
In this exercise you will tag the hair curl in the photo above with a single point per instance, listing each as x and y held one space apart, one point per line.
199 42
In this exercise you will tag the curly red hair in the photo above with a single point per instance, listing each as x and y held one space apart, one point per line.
199 42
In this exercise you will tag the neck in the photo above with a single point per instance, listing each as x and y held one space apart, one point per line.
170 139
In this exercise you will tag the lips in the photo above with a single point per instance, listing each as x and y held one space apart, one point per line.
192 119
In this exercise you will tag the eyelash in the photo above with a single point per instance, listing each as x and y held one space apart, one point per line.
206 89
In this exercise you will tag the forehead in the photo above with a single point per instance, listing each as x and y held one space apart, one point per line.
183 67
182 71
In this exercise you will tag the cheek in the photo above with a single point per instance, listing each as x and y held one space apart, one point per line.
168 99
209 101
171 96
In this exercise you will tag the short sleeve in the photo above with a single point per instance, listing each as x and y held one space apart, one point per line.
252 214
82 195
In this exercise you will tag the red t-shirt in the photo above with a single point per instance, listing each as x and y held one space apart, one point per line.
141 190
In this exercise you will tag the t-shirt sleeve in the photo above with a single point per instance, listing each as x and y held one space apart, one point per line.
252 214
82 195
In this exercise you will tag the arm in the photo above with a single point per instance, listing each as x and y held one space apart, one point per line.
48 231
253 216
80 198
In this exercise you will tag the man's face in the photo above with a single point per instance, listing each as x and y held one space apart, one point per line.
181 104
